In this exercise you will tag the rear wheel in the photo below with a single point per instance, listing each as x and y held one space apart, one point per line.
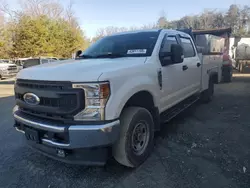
241 68
136 137
1 77
207 95
228 77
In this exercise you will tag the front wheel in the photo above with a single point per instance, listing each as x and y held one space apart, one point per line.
136 137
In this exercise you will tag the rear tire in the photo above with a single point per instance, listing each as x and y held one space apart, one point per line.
136 137
1 77
241 68
207 95
228 78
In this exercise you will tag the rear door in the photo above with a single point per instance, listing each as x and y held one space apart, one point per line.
173 77
193 63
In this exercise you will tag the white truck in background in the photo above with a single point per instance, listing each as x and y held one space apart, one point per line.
7 70
214 50
240 52
111 100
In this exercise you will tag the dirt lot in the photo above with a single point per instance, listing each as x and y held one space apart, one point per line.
207 146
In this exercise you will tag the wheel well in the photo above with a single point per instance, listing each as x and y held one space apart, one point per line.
214 77
144 99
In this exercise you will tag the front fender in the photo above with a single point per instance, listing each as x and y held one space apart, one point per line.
122 91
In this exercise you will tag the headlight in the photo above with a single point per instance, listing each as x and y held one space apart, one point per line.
3 68
96 97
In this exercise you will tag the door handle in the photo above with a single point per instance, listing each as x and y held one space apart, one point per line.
184 67
198 64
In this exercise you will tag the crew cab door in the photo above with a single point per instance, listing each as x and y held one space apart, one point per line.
173 77
193 63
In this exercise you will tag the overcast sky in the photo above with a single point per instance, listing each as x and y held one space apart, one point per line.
93 14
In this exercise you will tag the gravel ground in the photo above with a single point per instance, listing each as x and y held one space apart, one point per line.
207 146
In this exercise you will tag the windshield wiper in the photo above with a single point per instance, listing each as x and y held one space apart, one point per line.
109 55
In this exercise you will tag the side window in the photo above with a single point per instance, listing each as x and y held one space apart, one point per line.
45 61
31 62
168 41
188 47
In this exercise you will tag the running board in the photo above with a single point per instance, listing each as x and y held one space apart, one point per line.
174 111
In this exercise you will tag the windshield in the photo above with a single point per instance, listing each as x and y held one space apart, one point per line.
30 62
140 44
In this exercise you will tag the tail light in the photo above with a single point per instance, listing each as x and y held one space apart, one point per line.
227 60
226 57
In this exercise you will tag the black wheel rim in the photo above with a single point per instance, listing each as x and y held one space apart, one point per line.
140 138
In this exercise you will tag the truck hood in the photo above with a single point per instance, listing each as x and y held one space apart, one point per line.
85 70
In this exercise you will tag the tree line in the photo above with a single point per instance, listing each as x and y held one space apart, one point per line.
40 28
236 17
46 28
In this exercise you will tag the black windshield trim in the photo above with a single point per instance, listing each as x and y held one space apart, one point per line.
119 48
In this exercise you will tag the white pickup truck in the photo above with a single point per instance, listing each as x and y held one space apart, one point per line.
111 100
7 70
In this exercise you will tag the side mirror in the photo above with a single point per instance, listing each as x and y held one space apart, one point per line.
173 57
78 53
177 54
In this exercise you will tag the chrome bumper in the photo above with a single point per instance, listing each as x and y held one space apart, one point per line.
8 74
80 136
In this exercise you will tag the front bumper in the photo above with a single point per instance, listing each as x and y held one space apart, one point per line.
83 144
7 74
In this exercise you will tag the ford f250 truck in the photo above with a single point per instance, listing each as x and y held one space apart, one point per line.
112 99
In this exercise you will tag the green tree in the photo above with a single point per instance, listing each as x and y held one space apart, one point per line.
245 24
5 43
41 28
162 22
233 17
218 20
42 36
30 36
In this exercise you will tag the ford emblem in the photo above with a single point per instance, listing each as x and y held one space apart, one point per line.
31 99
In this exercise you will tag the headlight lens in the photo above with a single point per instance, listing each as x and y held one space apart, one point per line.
3 68
96 97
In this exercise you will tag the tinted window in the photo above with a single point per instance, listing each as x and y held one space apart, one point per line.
45 61
18 63
167 43
130 45
188 47
52 60
31 62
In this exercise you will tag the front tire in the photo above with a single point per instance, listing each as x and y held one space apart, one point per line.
136 137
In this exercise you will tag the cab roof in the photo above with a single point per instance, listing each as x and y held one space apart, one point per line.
136 31
169 31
